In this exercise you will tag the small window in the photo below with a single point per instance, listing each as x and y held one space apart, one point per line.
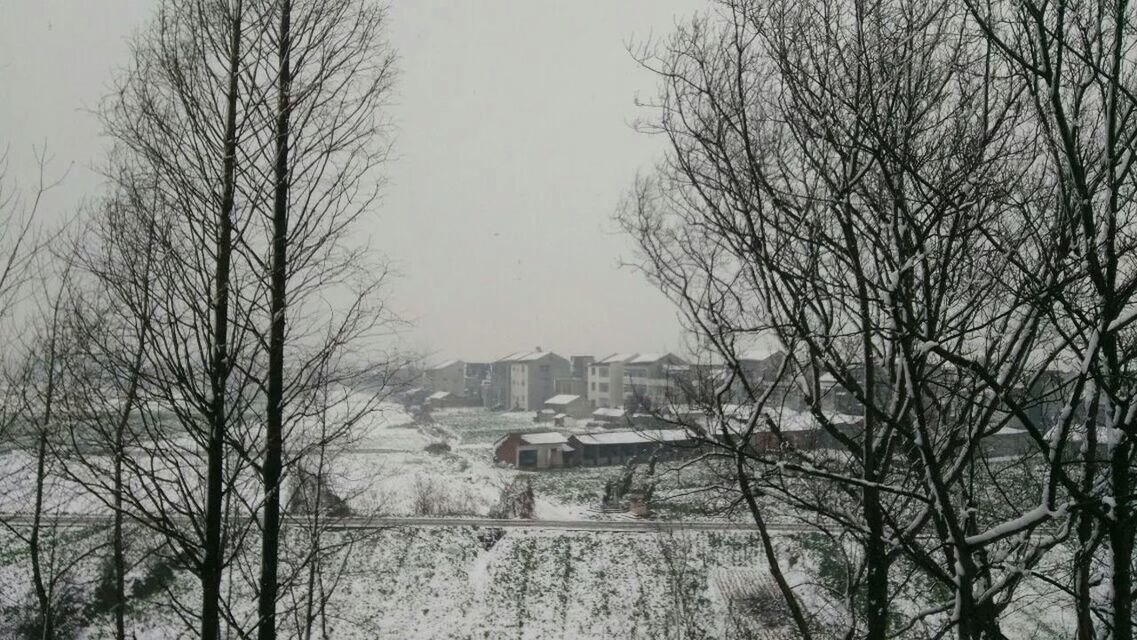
603 387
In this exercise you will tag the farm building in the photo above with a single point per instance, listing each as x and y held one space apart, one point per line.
608 417
534 450
802 431
442 399
1008 441
573 406
617 447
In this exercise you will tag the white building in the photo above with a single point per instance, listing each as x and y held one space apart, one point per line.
531 379
606 380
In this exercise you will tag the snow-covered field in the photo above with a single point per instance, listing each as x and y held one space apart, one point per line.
465 583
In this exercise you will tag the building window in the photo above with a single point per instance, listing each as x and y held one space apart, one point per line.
592 385
603 372
603 387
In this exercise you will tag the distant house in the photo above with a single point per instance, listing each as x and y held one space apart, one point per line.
573 406
801 430
476 375
609 417
449 376
650 381
443 399
531 379
414 395
606 380
496 386
1009 441
534 450
617 447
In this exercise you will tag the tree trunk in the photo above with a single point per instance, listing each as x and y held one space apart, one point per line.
1121 544
47 626
274 436
213 558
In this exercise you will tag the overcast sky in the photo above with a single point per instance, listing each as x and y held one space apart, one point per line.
513 146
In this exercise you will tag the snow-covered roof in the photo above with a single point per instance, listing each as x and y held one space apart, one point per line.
606 412
617 358
438 395
545 437
652 358
633 437
532 356
564 398
445 365
788 419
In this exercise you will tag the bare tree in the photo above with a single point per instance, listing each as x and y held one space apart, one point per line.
333 73
179 116
858 185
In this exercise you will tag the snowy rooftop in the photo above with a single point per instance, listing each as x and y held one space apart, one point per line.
564 398
445 365
605 412
634 437
439 395
651 358
617 358
531 356
546 437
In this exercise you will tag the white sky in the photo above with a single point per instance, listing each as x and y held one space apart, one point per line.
513 146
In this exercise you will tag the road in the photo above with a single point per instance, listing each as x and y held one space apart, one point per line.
635 526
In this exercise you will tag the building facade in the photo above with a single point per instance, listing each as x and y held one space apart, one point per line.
532 377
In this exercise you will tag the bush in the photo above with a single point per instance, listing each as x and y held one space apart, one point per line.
431 499
437 448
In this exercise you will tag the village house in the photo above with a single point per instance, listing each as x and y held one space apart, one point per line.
448 376
609 417
495 387
531 379
444 399
572 406
476 375
650 382
606 381
534 450
576 383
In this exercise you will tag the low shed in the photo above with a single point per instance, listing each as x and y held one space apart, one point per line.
573 406
617 447
545 450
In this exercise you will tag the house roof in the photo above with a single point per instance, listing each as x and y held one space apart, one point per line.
545 437
633 437
652 358
509 357
438 395
617 358
564 398
445 365
605 412
532 356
